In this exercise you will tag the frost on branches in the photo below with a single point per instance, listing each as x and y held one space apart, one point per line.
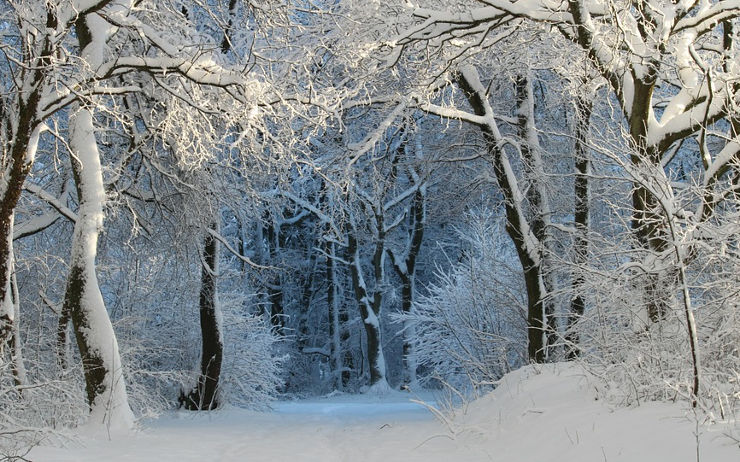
671 70
471 327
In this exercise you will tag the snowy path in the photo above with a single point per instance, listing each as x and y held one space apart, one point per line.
343 428
548 414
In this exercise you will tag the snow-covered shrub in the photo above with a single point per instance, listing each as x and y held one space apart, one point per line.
251 372
47 398
652 361
40 407
471 325
695 279
157 326
153 369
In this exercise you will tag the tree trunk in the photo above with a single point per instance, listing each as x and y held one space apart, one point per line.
205 394
16 348
275 286
7 307
649 231
539 206
535 296
581 213
348 360
106 391
335 327
21 139
406 270
648 225
62 336
517 227
104 382
22 155
370 311
409 332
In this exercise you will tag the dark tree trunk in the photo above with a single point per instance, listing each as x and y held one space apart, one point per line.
20 144
535 296
370 311
205 394
242 245
275 297
93 364
539 208
649 230
406 271
306 300
581 214
648 225
348 362
20 163
516 226
62 336
226 41
336 327
274 287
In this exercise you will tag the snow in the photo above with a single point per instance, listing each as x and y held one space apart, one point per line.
360 149
543 413
33 144
371 319
348 407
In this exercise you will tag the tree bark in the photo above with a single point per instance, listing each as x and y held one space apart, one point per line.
205 394
581 215
275 286
104 382
370 311
106 391
62 336
22 156
22 138
16 347
539 207
335 325
7 308
406 270
517 227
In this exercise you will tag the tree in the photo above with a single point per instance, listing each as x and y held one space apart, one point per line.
405 266
367 199
204 395
583 105
101 361
21 128
102 57
471 325
528 214
633 47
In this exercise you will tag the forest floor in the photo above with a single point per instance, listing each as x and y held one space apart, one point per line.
550 413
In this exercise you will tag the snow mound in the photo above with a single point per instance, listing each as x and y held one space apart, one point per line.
555 412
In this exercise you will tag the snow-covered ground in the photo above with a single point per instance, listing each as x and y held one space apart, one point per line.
545 414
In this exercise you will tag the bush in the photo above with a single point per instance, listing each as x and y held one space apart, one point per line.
471 325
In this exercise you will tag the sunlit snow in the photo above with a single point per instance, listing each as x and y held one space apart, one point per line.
550 413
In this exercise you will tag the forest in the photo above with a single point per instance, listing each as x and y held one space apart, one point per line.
209 203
